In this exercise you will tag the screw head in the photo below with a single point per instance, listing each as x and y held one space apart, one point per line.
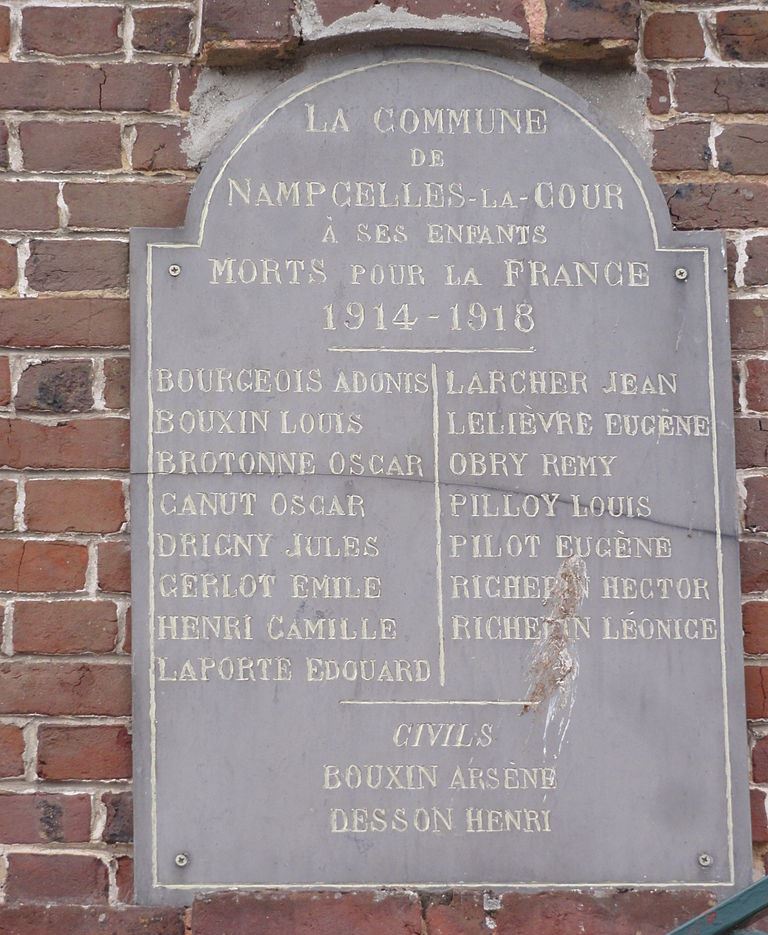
181 860
681 273
705 860
174 269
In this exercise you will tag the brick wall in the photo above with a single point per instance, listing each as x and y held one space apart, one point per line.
93 104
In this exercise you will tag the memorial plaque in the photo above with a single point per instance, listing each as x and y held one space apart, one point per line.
433 502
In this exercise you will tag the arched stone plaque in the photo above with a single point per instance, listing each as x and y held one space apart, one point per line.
433 502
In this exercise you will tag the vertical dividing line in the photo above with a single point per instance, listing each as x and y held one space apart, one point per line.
438 527
151 549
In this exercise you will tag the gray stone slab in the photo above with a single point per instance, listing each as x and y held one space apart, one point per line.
435 573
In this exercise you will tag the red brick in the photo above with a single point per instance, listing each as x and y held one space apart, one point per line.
756 269
114 566
124 879
52 627
77 265
136 86
751 442
51 878
659 97
760 760
759 820
128 642
755 621
606 19
158 147
64 322
120 205
81 30
743 35
8 265
98 752
754 566
743 149
56 386
757 384
233 34
7 504
94 920
117 375
5 28
11 751
756 511
732 258
91 443
720 90
736 385
188 76
3 145
749 324
28 205
5 381
682 146
118 828
673 36
29 566
71 688
70 146
274 914
163 30
74 505
726 204
42 818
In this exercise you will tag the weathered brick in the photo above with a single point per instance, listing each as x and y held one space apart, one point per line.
77 265
120 205
755 622
163 30
731 258
743 35
117 386
757 384
742 148
760 760
136 87
749 324
5 381
52 627
754 566
124 879
8 265
3 145
756 509
71 30
42 818
673 36
128 642
5 28
659 96
682 146
756 268
751 442
56 386
97 752
158 147
93 920
72 688
64 322
7 504
31 566
11 751
114 566
270 914
712 205
28 206
51 878
91 443
712 90
606 19
231 38
74 505
70 146
118 828
758 815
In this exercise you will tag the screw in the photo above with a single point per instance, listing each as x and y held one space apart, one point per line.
705 860
681 273
174 269
181 860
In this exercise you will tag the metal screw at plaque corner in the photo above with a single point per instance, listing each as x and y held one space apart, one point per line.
705 860
181 860
174 269
681 273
